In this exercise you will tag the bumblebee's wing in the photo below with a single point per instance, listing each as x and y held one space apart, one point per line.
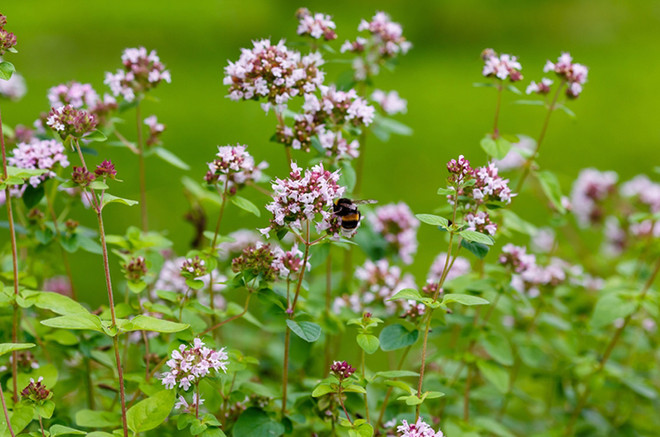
364 201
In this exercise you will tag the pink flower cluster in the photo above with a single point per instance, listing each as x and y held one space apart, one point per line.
501 66
155 130
171 279
67 120
528 276
191 407
386 41
14 88
418 429
480 222
590 191
490 185
273 73
574 74
234 167
326 117
543 87
142 72
288 262
240 240
380 281
390 102
7 39
397 224
39 154
316 25
460 267
188 366
302 196
644 190
79 95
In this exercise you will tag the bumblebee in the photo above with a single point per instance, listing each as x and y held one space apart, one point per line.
346 210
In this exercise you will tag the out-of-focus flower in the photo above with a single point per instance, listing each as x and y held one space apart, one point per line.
543 87
315 25
304 195
528 276
390 102
106 169
58 284
646 191
171 279
543 240
273 73
233 168
188 366
39 155
142 72
590 190
516 156
379 282
242 239
78 95
501 66
397 224
418 429
14 88
155 130
82 177
574 74
460 267
67 120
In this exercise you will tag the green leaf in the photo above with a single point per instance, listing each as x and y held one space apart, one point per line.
255 422
97 136
551 188
406 294
97 419
477 237
364 430
530 102
354 388
394 126
20 418
151 412
499 348
566 109
46 409
433 220
493 426
98 185
78 321
513 222
497 375
497 148
369 343
56 430
55 302
33 195
148 323
477 249
109 198
348 176
396 336
170 158
5 348
246 205
322 389
609 308
463 299
308 331
6 70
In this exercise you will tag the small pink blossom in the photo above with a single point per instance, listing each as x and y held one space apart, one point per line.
189 365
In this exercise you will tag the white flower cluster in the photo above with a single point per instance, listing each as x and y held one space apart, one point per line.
14 88
188 366
590 190
397 224
39 154
235 166
418 429
390 102
142 71
574 74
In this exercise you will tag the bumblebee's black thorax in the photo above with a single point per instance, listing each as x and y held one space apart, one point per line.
344 207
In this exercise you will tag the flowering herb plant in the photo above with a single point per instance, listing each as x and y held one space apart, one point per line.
254 331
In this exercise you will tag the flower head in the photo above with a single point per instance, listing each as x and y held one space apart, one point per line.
106 169
41 155
304 195
397 224
78 95
14 88
7 39
390 102
67 120
542 87
81 176
574 74
234 167
190 364
185 407
135 269
273 73
36 391
590 191
315 25
142 72
155 130
501 66
418 429
259 260
342 369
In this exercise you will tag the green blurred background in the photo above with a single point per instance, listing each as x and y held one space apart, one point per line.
617 115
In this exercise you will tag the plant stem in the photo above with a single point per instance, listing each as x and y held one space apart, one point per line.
143 175
341 402
14 259
197 401
291 311
289 160
391 388
122 391
364 375
213 243
544 129
237 316
41 425
4 409
496 132
582 401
